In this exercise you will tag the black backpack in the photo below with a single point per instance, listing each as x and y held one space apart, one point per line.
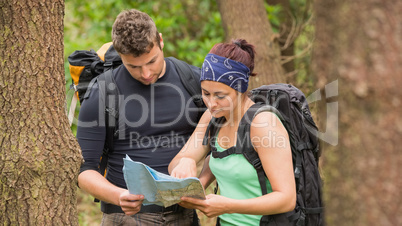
90 67
290 105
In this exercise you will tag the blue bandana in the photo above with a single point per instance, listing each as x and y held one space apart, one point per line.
227 71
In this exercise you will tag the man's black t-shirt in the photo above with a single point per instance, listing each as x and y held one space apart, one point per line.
155 121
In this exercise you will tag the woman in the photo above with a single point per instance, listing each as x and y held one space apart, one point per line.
224 82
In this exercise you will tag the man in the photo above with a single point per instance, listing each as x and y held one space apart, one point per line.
155 121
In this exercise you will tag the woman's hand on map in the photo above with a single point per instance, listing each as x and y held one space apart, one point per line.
185 168
212 206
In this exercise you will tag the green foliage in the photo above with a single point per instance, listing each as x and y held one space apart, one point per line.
273 12
302 14
189 28
304 49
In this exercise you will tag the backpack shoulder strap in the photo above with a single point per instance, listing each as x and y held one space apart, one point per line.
189 80
211 131
244 145
108 86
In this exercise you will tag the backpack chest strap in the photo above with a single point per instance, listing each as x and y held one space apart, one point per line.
223 154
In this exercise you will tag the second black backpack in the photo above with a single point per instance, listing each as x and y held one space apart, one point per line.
290 105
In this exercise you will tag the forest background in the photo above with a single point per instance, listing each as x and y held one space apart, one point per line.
344 55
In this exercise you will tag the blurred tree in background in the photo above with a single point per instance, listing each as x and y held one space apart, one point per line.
282 33
292 22
358 46
254 27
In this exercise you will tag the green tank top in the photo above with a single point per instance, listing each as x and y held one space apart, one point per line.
237 179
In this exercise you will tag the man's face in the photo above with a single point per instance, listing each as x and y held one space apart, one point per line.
148 67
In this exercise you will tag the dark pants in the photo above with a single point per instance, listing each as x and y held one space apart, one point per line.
185 217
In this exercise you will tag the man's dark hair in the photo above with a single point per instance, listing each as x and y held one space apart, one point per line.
135 33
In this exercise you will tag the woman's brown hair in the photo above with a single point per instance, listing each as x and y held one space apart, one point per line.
239 50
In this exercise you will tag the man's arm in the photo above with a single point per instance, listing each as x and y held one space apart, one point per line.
91 137
95 184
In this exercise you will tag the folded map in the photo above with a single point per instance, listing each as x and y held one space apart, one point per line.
159 188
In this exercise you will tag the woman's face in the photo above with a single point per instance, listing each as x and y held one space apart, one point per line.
220 99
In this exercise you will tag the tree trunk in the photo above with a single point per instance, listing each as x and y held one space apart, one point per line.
39 155
359 44
248 20
285 33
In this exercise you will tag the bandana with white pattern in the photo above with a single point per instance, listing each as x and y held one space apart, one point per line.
227 71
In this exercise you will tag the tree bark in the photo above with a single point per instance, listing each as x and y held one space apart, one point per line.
248 20
39 155
359 44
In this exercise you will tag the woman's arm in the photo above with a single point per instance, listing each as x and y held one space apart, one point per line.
184 164
206 176
270 140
